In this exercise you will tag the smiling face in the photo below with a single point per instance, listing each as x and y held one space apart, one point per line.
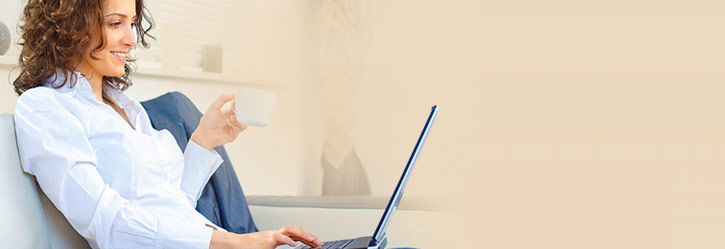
119 32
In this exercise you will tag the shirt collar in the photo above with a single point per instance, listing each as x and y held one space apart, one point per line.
121 99
83 87
132 107
69 87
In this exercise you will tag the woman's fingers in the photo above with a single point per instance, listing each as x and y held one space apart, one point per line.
235 126
236 123
298 233
314 243
219 126
284 239
219 102
231 115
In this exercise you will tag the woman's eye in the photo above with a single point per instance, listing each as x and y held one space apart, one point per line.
114 24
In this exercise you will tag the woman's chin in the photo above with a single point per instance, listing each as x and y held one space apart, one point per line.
116 73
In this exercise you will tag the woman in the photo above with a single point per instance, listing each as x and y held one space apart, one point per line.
119 182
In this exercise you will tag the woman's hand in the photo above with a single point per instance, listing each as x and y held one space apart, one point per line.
217 126
263 240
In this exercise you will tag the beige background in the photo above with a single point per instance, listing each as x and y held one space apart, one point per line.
563 124
600 125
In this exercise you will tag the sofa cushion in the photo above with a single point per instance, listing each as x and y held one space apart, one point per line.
22 223
348 202
27 218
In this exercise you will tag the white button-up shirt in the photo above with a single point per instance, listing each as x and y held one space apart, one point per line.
118 186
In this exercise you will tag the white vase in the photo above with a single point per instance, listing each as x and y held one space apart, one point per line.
4 39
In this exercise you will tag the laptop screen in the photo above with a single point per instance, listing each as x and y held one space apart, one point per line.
398 194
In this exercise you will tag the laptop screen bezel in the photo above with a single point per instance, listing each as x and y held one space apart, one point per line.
398 193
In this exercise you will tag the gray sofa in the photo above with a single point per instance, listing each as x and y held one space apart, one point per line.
29 220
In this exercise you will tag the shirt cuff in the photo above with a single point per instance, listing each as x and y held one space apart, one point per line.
174 234
199 165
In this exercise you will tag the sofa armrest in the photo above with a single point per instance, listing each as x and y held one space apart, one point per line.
416 223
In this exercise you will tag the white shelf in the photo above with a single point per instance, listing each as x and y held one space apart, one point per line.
201 76
12 61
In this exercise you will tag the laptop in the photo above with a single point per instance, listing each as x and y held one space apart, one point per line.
379 239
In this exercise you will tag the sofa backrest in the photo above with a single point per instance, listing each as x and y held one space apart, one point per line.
27 217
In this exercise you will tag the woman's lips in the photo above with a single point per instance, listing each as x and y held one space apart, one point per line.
121 56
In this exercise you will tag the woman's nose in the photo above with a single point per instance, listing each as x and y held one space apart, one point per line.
129 38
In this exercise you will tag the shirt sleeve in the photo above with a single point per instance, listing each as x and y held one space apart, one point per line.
199 165
54 147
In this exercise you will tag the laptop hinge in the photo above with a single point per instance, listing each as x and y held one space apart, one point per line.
378 244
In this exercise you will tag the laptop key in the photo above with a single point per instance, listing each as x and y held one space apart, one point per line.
337 244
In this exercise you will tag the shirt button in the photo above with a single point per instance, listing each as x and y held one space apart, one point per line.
165 177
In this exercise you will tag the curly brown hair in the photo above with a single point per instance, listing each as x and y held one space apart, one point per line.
55 34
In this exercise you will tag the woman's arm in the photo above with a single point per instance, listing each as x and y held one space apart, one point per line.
54 147
216 128
199 165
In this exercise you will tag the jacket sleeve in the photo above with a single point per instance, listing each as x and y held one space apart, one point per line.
54 147
199 165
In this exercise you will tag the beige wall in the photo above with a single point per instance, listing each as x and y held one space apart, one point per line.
600 125
7 96
420 54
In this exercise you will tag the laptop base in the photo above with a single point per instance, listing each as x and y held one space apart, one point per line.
357 243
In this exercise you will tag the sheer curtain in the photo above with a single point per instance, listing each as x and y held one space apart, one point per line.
340 29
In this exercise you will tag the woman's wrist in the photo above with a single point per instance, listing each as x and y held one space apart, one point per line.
221 240
201 140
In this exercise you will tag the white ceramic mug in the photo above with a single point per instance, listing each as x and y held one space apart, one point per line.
254 107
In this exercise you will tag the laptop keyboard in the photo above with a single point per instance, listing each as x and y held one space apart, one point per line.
328 245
